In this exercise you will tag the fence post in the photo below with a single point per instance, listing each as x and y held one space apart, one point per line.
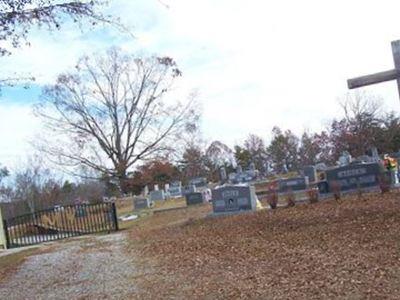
4 241
114 214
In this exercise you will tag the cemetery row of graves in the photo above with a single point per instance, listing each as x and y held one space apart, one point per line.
364 173
239 191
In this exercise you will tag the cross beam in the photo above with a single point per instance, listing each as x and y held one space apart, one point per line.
382 76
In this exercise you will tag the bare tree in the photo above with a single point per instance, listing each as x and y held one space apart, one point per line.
17 17
361 126
113 112
36 185
360 105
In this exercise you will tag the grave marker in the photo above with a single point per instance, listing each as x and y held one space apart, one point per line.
157 195
198 182
189 189
194 198
355 176
293 184
141 203
311 173
234 199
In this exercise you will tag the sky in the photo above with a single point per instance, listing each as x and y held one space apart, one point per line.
255 64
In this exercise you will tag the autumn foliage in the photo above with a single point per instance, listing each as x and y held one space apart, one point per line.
307 252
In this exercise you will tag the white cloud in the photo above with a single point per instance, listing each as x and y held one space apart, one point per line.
17 127
257 64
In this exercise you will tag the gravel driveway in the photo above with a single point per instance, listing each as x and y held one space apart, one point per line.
92 267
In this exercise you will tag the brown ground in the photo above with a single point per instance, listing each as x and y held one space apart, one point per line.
327 250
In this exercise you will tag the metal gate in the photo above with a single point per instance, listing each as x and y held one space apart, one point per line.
59 223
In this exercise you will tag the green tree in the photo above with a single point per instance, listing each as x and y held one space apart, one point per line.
283 150
258 153
242 156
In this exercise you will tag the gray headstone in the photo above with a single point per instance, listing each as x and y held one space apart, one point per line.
157 195
146 191
175 191
189 189
311 173
141 203
222 174
356 175
374 152
176 184
166 187
198 182
239 169
194 198
345 159
293 184
233 199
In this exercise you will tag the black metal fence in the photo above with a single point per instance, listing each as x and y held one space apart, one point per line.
59 223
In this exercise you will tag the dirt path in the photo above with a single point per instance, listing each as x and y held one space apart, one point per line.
93 267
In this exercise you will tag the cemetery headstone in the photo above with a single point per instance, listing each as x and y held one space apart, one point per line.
175 189
198 182
311 173
222 174
355 176
194 198
233 199
157 195
146 191
345 159
141 203
189 189
293 184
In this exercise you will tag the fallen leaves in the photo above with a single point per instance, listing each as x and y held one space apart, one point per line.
324 250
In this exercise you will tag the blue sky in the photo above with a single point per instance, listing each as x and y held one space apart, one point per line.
256 63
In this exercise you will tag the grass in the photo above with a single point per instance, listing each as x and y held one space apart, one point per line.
125 207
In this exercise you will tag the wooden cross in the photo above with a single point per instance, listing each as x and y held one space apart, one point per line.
382 76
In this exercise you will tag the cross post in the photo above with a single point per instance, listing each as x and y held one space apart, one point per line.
381 76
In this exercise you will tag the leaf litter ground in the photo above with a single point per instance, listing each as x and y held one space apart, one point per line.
342 250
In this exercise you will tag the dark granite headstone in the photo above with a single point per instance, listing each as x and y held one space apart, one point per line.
354 176
141 203
157 195
194 198
293 184
233 199
311 173
188 189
